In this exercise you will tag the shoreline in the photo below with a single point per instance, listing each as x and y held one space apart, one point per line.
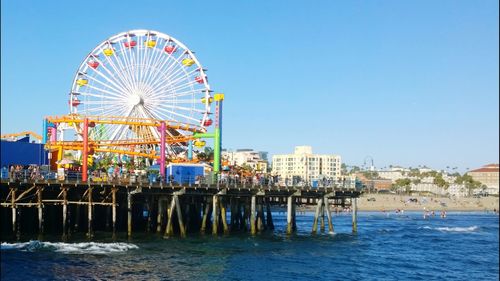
390 203
402 202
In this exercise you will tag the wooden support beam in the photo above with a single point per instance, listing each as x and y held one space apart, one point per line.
223 216
322 216
215 208
90 232
253 229
129 214
328 214
316 215
260 216
113 211
77 217
354 203
65 212
18 198
14 210
169 230
232 209
289 216
269 216
205 217
246 215
40 210
159 217
182 227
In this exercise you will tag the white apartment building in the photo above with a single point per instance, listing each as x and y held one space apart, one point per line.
391 175
257 160
428 187
457 190
306 165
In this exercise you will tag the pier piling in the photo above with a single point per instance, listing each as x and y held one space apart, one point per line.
40 210
206 217
223 217
159 216
90 232
182 227
129 214
289 215
215 211
169 230
322 216
113 211
64 212
253 230
354 214
14 211
316 216
269 216
328 215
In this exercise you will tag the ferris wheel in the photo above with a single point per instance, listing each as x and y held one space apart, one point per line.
141 74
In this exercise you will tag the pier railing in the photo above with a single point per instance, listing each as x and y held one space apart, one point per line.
71 177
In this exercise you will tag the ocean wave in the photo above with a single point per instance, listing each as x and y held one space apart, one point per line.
453 229
69 248
458 229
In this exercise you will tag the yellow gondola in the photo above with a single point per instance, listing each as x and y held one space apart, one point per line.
204 100
187 62
82 82
150 43
199 143
108 52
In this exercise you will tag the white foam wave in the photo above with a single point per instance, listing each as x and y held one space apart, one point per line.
452 229
458 229
70 248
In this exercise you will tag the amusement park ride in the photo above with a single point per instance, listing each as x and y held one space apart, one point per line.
140 93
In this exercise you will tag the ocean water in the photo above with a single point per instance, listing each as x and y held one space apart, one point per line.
463 246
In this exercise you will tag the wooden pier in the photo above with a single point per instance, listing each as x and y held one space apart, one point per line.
172 210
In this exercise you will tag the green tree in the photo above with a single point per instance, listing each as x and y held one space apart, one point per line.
355 169
402 183
439 181
371 175
343 168
469 183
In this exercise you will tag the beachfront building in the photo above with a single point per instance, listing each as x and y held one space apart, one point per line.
425 170
487 175
427 187
457 190
399 169
305 166
257 160
391 175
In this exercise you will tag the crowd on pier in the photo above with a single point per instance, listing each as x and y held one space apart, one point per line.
120 173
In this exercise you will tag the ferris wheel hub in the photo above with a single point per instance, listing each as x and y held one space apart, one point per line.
136 100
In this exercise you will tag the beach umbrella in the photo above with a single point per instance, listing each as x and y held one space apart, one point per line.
65 161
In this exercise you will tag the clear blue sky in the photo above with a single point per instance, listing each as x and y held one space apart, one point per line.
406 82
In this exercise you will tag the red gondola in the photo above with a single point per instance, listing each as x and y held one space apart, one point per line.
130 44
198 79
94 64
170 49
74 102
207 122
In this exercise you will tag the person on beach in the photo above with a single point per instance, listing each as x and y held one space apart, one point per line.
443 214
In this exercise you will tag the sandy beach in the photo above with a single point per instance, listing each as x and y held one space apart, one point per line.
402 202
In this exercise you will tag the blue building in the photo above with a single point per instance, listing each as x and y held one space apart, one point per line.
22 152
